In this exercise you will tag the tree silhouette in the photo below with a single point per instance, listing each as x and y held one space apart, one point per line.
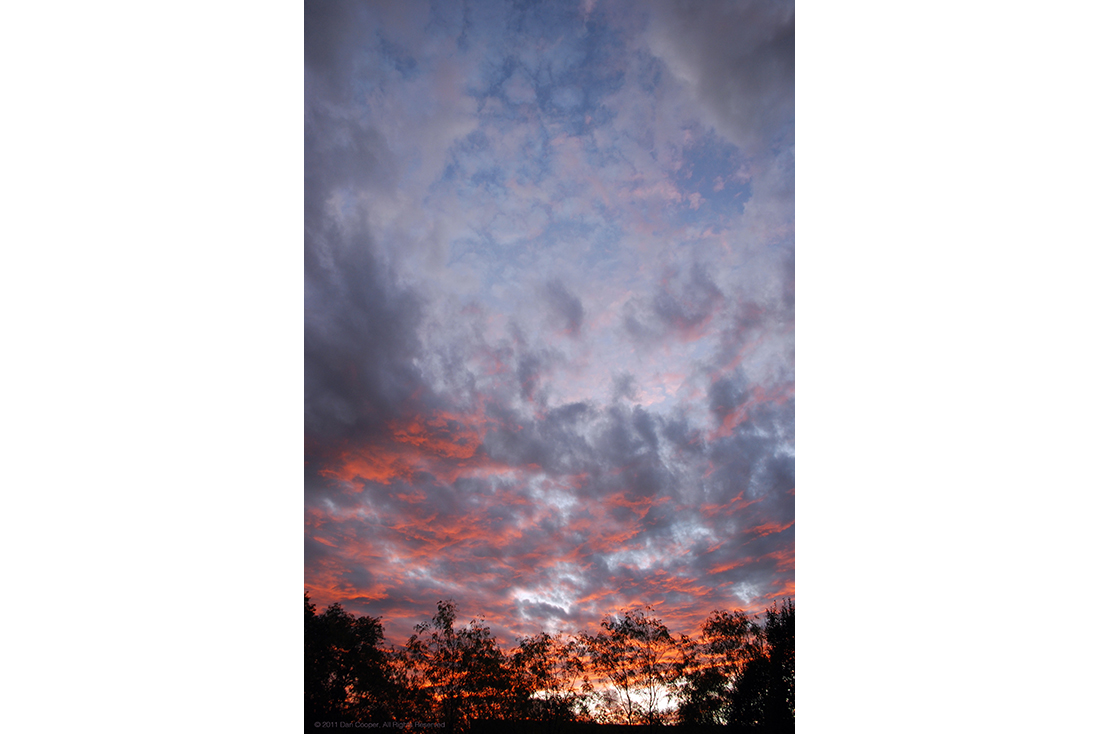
347 673
739 673
763 694
779 700
552 673
711 668
461 674
636 655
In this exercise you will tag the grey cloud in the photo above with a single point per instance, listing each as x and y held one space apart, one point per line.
556 443
681 303
645 426
359 338
774 474
752 461
624 387
686 303
727 393
618 443
529 371
330 28
738 60
360 328
566 305
683 436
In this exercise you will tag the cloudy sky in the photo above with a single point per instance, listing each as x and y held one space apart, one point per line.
549 309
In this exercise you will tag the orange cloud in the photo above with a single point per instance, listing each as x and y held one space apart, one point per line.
444 444
766 528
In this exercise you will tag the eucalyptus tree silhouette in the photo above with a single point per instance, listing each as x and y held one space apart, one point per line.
553 671
711 667
460 674
635 654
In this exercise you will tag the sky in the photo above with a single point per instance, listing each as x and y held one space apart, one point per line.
549 310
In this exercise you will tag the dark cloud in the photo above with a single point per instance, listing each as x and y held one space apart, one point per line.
360 337
727 393
683 434
645 427
624 387
331 29
566 305
737 57
556 443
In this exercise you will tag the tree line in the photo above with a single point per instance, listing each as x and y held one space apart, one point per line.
739 673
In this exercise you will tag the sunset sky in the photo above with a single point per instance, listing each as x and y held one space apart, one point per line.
549 310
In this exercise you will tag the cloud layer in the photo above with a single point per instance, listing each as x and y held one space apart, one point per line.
549 309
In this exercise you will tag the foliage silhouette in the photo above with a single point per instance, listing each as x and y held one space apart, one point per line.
348 675
712 667
461 674
779 693
553 669
742 674
636 654
738 674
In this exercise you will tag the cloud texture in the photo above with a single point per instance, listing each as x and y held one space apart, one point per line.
549 309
